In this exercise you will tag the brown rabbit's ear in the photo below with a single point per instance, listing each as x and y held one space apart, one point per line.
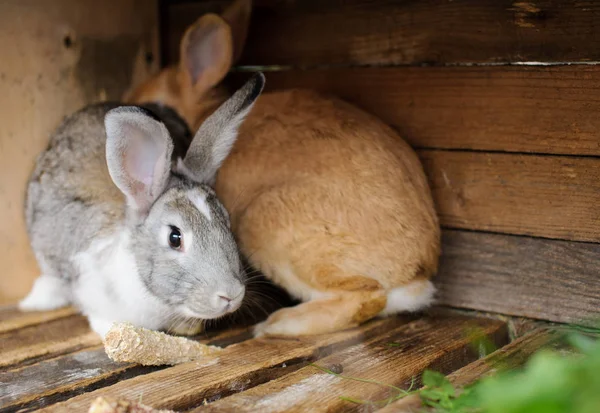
138 155
207 51
238 17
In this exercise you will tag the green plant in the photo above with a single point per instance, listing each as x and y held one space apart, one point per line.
550 382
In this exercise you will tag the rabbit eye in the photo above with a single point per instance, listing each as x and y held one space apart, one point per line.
175 238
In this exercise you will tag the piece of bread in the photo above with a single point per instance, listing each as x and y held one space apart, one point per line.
127 343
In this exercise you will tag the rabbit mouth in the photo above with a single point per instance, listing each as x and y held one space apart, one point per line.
209 313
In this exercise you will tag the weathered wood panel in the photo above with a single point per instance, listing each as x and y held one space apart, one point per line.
387 32
442 345
46 340
543 279
54 380
13 319
544 196
511 109
511 356
240 366
56 57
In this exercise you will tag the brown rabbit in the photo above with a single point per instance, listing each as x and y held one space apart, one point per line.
325 199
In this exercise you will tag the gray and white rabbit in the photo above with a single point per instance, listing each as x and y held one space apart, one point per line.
125 230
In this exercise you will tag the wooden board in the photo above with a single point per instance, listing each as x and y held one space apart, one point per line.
57 56
443 345
46 340
544 279
253 362
54 380
309 33
511 356
543 196
240 366
13 319
550 110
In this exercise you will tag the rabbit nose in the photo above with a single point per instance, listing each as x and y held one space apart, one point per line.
224 298
221 300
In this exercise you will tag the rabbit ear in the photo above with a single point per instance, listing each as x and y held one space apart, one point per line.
207 51
237 14
218 133
138 154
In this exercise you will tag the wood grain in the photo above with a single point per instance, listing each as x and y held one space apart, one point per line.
55 380
309 33
550 110
46 340
441 344
57 56
239 367
543 196
12 319
543 279
510 356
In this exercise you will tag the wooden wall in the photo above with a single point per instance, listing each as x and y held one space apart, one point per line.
56 57
502 101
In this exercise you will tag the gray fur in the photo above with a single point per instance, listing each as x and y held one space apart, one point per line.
217 134
72 201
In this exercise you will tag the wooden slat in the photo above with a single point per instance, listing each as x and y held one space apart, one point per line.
46 340
54 380
544 279
240 366
544 196
442 344
12 319
513 109
383 32
508 357
47 381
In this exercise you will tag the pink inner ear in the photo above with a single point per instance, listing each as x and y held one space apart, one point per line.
142 162
205 50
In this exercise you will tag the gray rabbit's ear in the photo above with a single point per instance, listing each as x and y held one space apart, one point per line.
138 154
218 133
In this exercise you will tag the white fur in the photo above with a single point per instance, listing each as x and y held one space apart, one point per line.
411 297
199 200
48 293
109 287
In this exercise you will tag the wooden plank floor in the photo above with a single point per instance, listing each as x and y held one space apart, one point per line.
52 362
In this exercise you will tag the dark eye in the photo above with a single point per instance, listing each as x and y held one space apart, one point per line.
175 238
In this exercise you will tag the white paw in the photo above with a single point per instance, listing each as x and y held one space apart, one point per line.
48 293
100 326
259 329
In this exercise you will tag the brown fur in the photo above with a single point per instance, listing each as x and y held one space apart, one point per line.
325 199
